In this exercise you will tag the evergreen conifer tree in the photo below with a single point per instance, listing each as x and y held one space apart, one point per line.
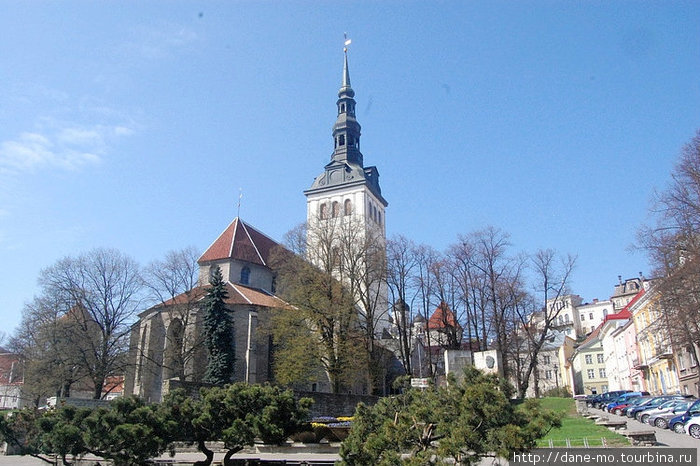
218 333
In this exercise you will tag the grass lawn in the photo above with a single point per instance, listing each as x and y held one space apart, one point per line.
576 428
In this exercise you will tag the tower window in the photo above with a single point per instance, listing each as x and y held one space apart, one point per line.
347 207
323 211
336 209
245 275
341 140
342 108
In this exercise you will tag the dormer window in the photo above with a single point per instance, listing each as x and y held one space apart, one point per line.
245 275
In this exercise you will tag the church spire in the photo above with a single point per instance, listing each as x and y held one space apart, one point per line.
346 131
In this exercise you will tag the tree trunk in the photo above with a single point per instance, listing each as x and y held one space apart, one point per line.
207 452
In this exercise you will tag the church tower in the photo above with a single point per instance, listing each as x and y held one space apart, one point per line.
346 187
345 204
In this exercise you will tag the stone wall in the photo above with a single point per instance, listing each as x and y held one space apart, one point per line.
335 404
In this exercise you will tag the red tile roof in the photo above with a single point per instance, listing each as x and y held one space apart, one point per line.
442 317
242 242
237 294
10 369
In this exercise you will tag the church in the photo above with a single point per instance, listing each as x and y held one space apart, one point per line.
166 349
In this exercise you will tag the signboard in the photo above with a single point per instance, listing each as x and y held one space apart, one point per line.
419 382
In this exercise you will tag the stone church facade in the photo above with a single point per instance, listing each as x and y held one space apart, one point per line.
167 340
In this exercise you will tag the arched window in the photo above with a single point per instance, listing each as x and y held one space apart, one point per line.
336 209
245 275
347 207
323 210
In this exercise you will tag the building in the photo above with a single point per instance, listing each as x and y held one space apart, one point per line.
615 368
588 366
566 316
656 359
346 200
626 290
591 315
11 381
166 342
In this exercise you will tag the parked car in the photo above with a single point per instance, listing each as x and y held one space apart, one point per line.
633 403
622 399
677 423
619 407
638 410
662 418
607 397
692 427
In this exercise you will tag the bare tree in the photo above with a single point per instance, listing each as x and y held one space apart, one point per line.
43 342
424 282
673 243
324 328
401 262
172 284
551 275
103 290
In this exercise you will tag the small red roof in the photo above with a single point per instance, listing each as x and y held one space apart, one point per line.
242 242
443 317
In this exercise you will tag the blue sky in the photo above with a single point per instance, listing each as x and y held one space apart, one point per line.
133 125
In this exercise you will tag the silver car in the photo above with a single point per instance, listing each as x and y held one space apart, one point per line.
661 419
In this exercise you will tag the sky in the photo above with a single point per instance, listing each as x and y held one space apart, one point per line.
136 125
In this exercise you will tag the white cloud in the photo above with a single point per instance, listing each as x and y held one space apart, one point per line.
159 41
66 146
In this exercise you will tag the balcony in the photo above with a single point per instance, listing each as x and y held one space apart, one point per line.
639 365
664 352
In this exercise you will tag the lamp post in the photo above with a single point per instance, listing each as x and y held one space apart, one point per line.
556 375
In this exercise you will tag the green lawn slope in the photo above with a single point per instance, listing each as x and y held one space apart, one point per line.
577 428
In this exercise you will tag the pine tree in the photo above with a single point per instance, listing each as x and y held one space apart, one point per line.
218 333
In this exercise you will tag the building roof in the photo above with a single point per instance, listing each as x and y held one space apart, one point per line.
237 294
241 242
443 317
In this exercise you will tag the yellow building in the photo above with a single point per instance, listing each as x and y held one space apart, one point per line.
588 366
654 344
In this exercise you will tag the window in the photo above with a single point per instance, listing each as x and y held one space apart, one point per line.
566 318
548 375
336 209
341 140
590 315
347 207
583 317
604 388
589 359
323 211
591 374
245 275
601 372
599 357
547 360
